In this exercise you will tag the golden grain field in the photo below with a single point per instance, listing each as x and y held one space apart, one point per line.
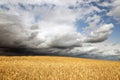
57 68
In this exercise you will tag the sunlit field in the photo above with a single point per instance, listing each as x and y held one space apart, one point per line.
57 68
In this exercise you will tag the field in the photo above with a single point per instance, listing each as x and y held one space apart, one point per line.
57 68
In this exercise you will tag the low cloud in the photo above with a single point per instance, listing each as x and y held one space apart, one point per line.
101 33
45 36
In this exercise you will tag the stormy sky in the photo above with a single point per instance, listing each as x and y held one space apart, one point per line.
78 28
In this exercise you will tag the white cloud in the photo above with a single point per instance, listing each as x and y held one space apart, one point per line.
93 22
115 11
100 34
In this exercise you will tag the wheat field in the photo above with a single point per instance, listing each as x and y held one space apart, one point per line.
57 68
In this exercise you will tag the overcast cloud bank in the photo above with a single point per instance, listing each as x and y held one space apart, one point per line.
51 27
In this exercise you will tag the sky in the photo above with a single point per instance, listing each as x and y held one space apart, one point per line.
78 28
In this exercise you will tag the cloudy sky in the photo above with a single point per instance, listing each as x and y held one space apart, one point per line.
78 28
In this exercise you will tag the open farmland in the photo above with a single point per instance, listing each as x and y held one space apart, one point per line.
57 68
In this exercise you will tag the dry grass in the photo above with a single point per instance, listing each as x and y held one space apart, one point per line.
57 68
